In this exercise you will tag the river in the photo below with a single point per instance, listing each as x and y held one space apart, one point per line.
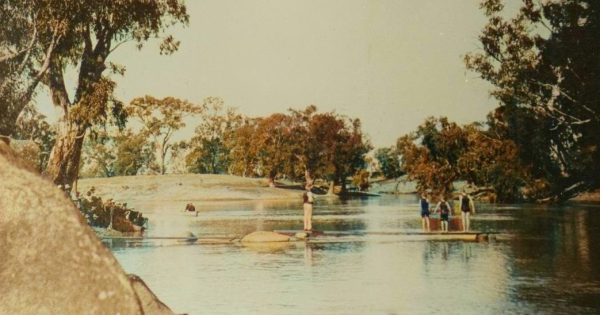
546 260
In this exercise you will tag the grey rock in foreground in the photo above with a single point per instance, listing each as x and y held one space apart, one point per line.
51 261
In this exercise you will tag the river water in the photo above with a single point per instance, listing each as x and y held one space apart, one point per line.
546 260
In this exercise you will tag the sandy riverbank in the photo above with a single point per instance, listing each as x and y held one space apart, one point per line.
184 188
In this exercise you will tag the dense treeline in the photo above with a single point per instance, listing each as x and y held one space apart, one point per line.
542 142
544 66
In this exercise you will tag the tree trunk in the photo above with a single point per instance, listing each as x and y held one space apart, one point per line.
331 187
63 164
272 175
343 189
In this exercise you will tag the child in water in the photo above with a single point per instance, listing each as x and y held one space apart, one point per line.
424 212
444 208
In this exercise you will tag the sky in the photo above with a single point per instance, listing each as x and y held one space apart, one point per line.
390 63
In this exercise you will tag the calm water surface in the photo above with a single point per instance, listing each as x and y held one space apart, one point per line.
546 261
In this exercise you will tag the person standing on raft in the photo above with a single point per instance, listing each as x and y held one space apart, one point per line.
467 206
444 208
308 199
424 212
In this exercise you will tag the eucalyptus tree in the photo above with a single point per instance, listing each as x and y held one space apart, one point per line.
543 63
83 34
209 152
160 119
30 33
389 162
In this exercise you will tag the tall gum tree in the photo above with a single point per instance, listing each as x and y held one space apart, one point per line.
543 63
92 32
161 118
30 33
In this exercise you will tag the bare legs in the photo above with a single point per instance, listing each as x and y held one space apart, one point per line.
466 221
444 226
425 223
308 208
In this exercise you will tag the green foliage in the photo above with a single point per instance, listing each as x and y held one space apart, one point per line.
389 162
209 156
361 180
160 119
208 152
134 153
33 126
105 214
117 153
543 64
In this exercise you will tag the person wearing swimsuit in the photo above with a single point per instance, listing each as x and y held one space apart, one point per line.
466 208
444 208
308 199
424 212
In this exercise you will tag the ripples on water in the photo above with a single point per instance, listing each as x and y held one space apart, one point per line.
547 262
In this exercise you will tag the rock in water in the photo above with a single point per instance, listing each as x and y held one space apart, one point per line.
265 236
301 235
150 303
51 260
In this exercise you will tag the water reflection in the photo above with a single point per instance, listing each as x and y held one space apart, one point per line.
549 264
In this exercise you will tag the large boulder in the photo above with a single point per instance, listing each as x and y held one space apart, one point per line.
51 261
149 302
264 236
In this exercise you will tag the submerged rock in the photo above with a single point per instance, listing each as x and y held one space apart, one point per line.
301 235
264 237
52 262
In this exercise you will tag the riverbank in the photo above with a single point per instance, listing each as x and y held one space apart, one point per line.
184 188
592 196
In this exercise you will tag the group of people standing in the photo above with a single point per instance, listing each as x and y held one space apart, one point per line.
466 204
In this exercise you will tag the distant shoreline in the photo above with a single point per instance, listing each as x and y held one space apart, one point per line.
179 189
184 188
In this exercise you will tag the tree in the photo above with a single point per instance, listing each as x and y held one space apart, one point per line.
209 153
349 151
243 153
543 65
98 155
160 119
133 153
108 153
31 125
430 155
29 36
389 162
89 31
274 144
441 152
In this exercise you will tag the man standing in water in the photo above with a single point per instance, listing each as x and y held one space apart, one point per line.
308 208
466 207
444 208
424 212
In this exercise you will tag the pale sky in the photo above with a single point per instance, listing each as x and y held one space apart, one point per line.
389 63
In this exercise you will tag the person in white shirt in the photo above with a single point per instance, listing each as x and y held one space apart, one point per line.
308 208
